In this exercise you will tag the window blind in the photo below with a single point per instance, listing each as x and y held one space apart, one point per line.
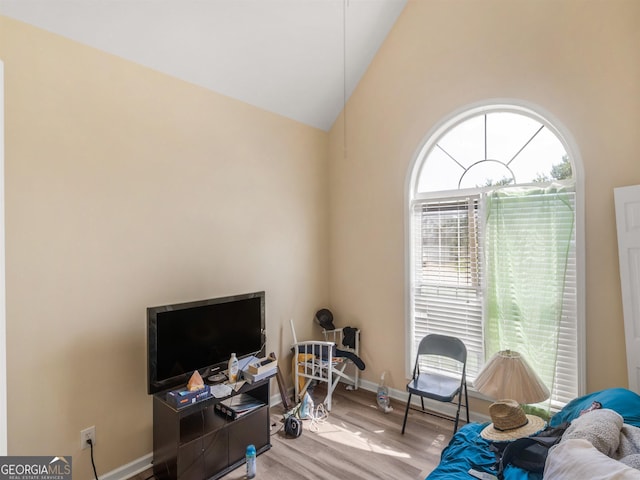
448 285
566 386
447 296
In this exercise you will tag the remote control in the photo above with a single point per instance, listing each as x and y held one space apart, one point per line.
482 475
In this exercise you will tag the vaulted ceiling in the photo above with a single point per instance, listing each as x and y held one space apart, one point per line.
298 58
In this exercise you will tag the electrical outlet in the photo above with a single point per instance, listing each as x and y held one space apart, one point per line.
86 435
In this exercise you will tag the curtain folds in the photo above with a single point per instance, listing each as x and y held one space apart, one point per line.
528 234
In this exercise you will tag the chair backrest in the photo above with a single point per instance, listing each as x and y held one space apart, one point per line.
443 345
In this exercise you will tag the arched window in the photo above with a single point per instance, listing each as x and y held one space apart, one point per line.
492 206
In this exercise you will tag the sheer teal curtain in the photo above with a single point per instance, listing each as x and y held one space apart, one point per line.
528 234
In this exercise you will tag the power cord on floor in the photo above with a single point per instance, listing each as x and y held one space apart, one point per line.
92 462
273 425
318 417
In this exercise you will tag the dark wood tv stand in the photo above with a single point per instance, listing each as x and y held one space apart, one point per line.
196 442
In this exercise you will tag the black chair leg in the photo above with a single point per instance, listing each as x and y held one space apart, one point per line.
466 401
406 412
455 424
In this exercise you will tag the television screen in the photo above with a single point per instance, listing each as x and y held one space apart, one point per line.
201 336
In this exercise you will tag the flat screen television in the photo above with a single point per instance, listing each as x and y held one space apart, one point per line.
202 335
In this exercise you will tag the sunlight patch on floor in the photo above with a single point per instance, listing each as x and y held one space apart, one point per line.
344 436
438 444
439 440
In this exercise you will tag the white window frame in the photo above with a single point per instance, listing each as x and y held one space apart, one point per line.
563 134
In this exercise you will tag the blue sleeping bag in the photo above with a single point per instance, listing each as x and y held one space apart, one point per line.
467 449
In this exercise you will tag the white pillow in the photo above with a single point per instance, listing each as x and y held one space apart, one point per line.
577 459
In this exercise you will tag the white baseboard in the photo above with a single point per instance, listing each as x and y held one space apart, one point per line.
130 469
447 409
441 408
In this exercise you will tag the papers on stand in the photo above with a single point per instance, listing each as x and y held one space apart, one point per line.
221 390
238 385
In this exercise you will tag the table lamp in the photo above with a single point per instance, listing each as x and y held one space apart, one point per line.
507 375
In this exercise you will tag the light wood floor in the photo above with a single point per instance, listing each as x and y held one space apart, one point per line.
356 441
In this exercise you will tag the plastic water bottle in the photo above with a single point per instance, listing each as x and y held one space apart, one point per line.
233 368
251 461
383 396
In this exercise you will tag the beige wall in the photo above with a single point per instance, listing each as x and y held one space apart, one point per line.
576 59
125 189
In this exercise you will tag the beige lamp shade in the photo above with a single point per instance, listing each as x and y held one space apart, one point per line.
508 375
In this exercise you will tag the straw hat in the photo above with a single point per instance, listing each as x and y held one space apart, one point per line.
509 422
